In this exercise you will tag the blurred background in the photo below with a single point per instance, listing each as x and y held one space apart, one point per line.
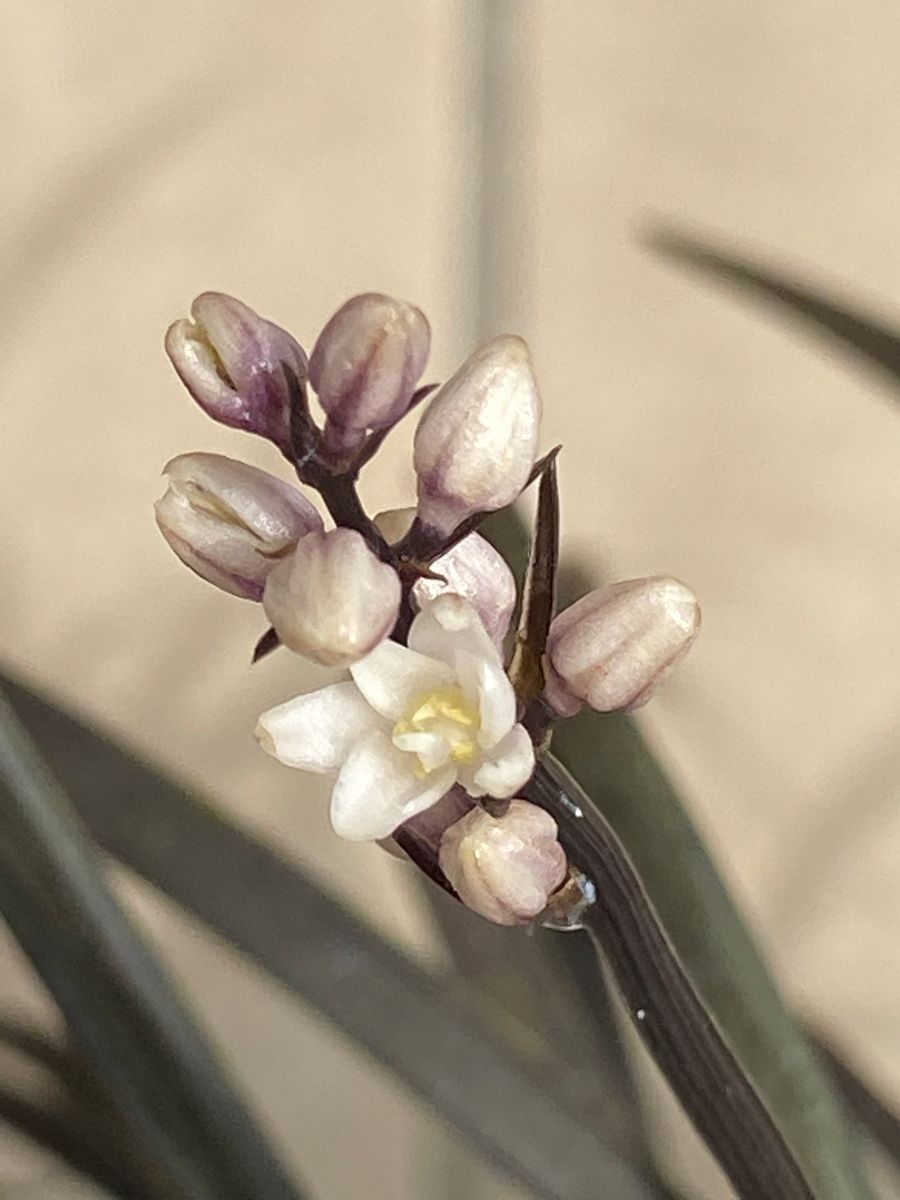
499 163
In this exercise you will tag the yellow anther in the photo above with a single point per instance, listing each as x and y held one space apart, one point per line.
448 704
449 714
463 751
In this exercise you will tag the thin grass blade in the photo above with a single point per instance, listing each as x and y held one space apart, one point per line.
430 1033
121 1008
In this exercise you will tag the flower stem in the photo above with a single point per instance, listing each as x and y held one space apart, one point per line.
665 1008
343 504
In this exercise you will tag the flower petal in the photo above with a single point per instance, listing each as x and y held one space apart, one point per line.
376 790
506 769
432 749
315 731
487 686
393 676
448 625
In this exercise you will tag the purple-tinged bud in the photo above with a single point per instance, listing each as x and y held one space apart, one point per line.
613 647
505 868
231 522
365 366
475 570
332 600
232 362
472 569
477 439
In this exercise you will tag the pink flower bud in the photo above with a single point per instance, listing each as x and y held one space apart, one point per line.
231 522
365 365
230 360
476 442
472 568
505 868
613 647
475 570
332 600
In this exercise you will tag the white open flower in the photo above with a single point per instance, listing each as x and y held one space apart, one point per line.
414 721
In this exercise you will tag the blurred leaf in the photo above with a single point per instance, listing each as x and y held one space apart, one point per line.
431 1034
120 1006
42 1051
532 984
874 1114
869 339
608 757
665 1009
70 1135
75 1121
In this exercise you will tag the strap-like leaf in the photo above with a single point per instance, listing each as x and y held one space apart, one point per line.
518 1112
122 1010
868 338
879 1120
609 758
611 761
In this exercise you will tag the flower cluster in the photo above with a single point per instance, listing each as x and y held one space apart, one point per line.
426 736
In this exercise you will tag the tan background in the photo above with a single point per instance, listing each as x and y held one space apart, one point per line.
492 162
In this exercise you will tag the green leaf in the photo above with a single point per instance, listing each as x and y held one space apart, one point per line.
122 1010
868 338
546 999
514 1106
69 1115
878 1119
609 758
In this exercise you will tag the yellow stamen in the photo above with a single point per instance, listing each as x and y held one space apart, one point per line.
445 711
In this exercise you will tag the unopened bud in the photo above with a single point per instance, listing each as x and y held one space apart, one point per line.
505 868
231 522
233 361
475 570
332 600
472 569
476 442
365 365
613 647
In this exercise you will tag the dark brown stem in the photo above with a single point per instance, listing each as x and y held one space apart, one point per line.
343 504
539 719
666 1010
310 460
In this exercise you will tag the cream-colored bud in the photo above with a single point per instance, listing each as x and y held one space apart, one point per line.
472 569
613 647
477 440
475 570
233 361
332 600
505 868
230 522
366 363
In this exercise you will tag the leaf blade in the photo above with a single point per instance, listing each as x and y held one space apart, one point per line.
121 1008
430 1035
869 339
